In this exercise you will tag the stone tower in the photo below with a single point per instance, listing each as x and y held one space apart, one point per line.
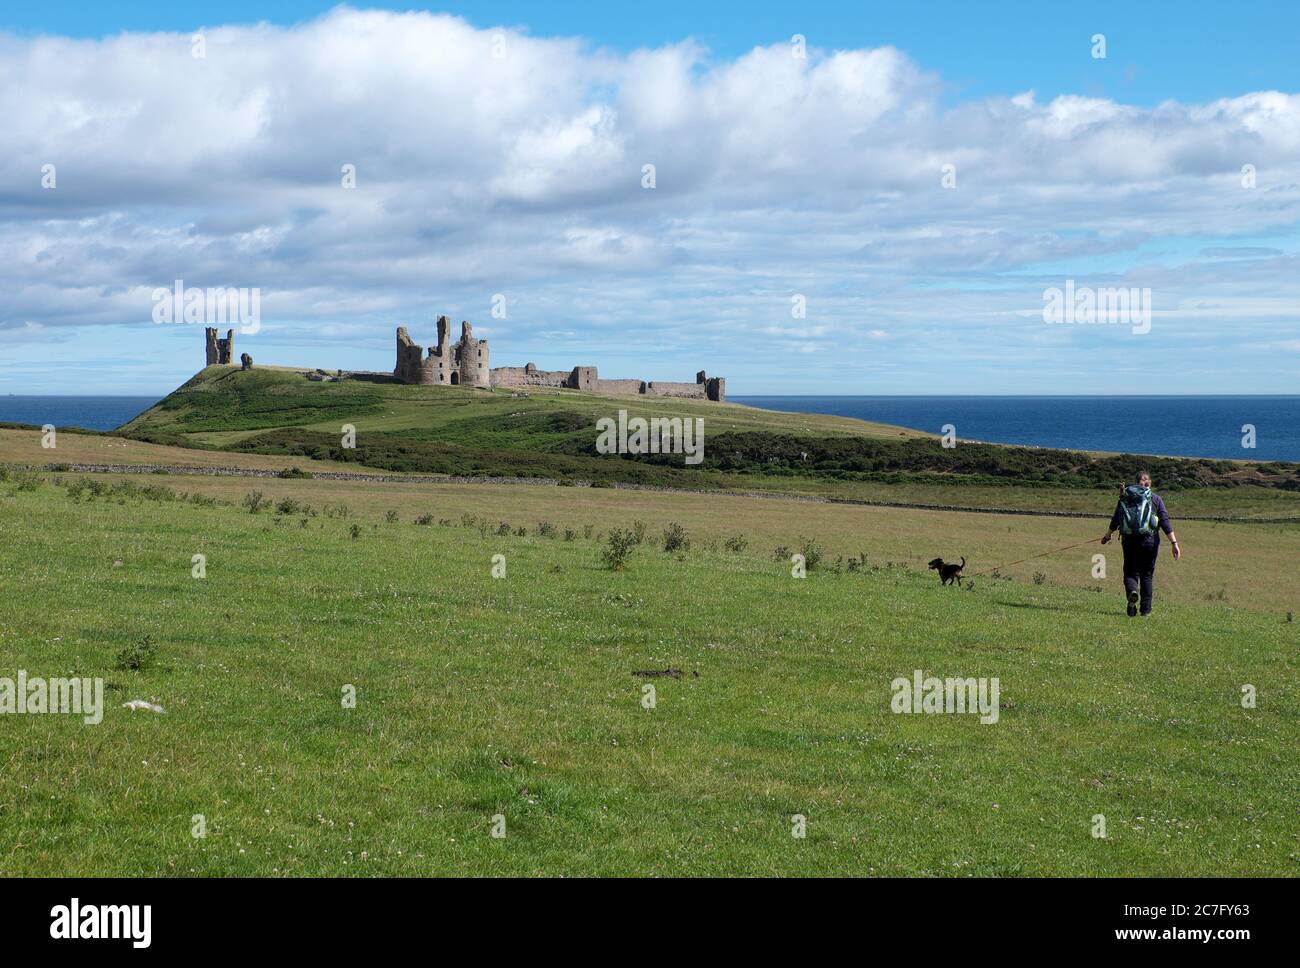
471 359
220 350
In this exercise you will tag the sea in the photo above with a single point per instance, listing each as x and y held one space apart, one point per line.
1187 426
89 413
1183 426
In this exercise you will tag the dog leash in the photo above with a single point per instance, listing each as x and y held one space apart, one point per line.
1032 557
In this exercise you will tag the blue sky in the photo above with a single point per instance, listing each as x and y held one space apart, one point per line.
517 173
1192 50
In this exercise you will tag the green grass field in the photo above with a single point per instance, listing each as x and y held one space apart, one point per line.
479 697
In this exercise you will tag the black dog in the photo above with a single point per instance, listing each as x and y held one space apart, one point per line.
948 573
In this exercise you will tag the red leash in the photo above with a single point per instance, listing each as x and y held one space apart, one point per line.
1032 557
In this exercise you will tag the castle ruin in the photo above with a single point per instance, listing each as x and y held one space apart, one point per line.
220 350
466 364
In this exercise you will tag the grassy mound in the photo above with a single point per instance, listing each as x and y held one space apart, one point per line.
552 434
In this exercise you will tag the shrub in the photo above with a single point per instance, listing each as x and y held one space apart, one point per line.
736 543
1039 578
294 472
355 531
468 520
782 553
255 502
27 482
391 517
587 530
521 531
424 519
503 528
619 548
137 656
570 534
288 506
545 529
638 531
675 538
812 553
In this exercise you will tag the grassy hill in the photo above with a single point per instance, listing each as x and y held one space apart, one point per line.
551 434
479 697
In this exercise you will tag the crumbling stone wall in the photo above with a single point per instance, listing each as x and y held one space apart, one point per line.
659 388
622 387
529 376
219 350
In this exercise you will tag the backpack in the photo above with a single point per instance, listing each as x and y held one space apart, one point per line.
1137 513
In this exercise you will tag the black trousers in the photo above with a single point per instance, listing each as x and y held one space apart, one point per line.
1140 570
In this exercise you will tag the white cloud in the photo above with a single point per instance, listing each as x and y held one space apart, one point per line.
522 174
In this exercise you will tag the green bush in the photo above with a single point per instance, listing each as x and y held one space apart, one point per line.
618 549
812 553
137 656
255 502
675 538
